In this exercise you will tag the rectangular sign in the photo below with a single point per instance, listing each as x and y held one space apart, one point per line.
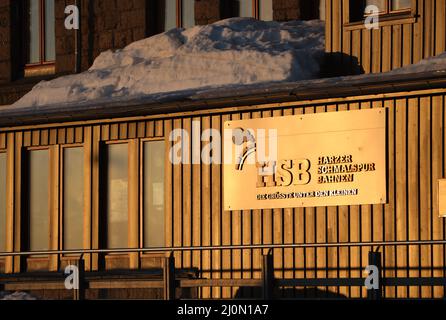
323 159
442 197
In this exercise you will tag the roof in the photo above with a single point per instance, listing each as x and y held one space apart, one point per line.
225 97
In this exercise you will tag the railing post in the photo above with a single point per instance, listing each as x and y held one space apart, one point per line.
79 293
268 276
375 260
169 277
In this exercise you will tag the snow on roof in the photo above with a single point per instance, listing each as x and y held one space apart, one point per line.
16 296
236 51
431 64
230 58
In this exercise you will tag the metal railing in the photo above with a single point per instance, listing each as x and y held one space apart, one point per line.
267 281
230 247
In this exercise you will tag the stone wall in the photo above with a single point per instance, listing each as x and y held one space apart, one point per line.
64 39
105 24
284 10
5 41
207 11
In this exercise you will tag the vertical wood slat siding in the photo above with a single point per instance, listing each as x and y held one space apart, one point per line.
194 215
186 229
412 188
3 140
216 205
389 215
415 147
45 137
206 223
439 27
177 203
390 46
401 189
437 137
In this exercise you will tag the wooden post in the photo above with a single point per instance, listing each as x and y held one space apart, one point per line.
169 277
268 276
79 293
375 260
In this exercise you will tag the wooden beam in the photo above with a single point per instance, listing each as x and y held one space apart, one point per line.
10 196
54 195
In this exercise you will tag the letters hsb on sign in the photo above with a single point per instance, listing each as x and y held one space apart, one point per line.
323 159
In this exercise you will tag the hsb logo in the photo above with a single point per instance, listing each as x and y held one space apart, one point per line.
271 173
284 173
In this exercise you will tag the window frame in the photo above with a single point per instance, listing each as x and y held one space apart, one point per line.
42 67
404 10
178 15
256 9
255 4
404 16
5 152
61 160
388 10
141 168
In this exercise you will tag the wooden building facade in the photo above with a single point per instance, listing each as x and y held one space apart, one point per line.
405 35
193 197
192 205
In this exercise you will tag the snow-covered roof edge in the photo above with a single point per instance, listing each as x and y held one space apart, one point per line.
226 97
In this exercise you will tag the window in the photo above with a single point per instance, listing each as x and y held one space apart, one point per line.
381 4
153 193
246 8
73 197
2 202
117 195
259 9
178 14
400 5
188 13
322 10
40 41
38 199
386 8
389 6
265 10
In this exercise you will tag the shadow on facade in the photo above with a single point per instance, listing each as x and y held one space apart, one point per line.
338 64
288 293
